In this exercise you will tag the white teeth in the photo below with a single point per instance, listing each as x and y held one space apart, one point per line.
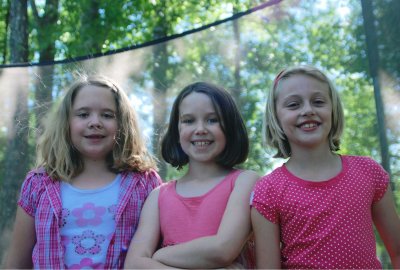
309 125
201 143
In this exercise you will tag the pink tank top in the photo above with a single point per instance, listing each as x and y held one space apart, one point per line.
186 218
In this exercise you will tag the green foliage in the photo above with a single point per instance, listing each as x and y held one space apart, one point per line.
4 9
361 129
387 14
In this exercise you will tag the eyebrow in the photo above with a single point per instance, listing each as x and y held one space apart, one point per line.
191 114
316 92
90 108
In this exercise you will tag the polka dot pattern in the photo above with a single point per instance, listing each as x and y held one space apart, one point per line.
325 225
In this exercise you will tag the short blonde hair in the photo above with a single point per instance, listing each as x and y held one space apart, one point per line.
55 149
273 132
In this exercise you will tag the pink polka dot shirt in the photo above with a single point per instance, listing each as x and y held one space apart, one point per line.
325 224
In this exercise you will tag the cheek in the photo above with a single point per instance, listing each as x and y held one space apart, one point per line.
73 128
114 127
182 136
280 119
184 132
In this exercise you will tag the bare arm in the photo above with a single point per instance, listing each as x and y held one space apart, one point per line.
388 224
222 249
266 233
22 242
146 238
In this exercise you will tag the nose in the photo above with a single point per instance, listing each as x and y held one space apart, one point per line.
95 122
307 109
201 128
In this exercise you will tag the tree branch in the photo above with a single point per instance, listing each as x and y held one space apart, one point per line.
34 10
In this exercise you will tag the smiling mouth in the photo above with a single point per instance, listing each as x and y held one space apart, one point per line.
308 125
202 143
95 137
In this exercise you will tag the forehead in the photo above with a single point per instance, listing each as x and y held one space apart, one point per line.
94 96
301 83
195 103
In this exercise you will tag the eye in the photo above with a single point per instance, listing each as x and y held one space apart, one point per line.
319 102
213 120
109 115
187 120
292 105
82 114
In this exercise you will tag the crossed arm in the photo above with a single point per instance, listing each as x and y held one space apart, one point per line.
146 238
214 251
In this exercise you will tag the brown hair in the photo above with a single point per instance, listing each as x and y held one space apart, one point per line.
232 124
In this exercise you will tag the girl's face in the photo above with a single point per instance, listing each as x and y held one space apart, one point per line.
304 111
200 133
93 122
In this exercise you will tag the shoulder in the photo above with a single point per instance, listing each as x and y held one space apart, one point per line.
37 173
246 179
358 159
272 180
39 170
167 187
269 190
367 170
274 175
152 175
37 177
362 163
154 193
248 176
34 188
145 177
169 184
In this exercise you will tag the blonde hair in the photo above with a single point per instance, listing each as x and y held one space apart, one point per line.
59 157
273 133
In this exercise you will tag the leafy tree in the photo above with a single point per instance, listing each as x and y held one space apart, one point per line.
387 14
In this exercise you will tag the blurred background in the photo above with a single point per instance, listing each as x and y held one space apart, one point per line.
153 48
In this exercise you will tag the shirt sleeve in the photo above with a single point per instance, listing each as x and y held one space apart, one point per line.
29 195
264 200
153 180
381 180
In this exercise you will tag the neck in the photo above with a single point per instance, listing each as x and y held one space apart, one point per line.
95 166
200 178
317 164
310 153
94 175
200 171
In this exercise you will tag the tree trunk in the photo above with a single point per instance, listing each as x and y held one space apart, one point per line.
18 31
90 20
17 159
46 27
